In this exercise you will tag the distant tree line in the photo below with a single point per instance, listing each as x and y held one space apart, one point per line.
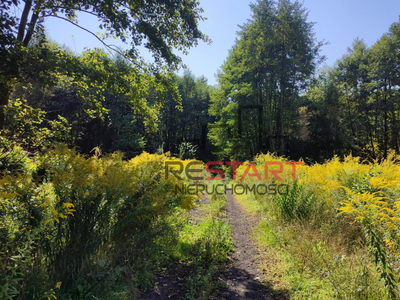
354 106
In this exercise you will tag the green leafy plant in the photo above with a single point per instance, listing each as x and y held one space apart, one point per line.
297 203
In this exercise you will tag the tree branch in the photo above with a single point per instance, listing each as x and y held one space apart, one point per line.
109 46
114 48
78 9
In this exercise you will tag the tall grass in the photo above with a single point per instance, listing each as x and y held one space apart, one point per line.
70 223
335 234
205 247
297 203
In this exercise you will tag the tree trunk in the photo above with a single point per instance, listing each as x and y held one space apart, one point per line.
280 123
395 130
386 126
24 20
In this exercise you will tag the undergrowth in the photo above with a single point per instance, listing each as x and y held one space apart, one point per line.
77 227
211 242
335 233
101 227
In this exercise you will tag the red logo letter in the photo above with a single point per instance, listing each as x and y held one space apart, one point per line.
234 164
294 163
273 172
214 163
256 174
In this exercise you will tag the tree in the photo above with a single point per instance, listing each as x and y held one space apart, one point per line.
384 67
326 132
269 66
351 78
355 106
106 101
178 127
161 25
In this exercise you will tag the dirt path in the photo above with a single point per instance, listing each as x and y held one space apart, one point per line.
241 278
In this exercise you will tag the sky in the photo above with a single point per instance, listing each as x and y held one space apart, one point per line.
337 22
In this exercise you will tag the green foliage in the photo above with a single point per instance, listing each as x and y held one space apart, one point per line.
187 150
61 210
25 127
15 159
104 98
297 203
205 247
109 102
363 85
381 257
186 122
159 26
274 55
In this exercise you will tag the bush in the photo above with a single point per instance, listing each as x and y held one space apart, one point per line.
297 203
345 209
65 210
